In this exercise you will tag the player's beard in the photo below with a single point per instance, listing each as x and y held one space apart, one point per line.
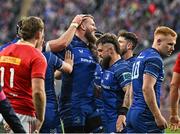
105 62
122 52
91 38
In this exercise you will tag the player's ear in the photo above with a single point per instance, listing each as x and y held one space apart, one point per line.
82 26
111 50
158 41
129 45
37 35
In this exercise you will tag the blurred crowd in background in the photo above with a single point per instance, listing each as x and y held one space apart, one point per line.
138 16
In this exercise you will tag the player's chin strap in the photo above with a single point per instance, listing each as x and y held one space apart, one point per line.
122 111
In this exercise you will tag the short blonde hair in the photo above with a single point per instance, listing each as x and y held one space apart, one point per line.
165 31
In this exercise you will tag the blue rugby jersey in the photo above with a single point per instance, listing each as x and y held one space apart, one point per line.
54 63
149 61
76 84
52 119
96 82
131 61
112 83
9 43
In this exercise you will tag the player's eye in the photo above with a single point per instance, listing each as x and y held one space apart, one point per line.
170 44
99 50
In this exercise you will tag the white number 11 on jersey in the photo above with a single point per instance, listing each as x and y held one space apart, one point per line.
2 69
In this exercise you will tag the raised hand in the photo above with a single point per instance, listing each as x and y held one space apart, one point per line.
69 58
78 20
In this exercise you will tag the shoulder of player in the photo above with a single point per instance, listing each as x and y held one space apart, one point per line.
152 54
123 66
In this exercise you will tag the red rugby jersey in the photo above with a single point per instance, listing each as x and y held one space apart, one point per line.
19 63
177 65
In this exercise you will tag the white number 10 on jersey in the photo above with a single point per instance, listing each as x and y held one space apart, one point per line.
2 69
135 70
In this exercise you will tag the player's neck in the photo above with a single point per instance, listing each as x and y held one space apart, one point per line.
27 42
127 55
80 35
114 59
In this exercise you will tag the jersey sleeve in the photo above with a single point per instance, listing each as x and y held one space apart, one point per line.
153 66
177 65
56 61
123 77
38 67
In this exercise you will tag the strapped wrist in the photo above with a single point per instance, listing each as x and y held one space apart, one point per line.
74 24
122 111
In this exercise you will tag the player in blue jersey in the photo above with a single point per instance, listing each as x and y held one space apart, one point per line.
94 95
97 76
52 120
144 115
75 115
115 82
127 43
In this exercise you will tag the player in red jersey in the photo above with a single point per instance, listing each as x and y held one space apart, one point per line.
22 70
174 96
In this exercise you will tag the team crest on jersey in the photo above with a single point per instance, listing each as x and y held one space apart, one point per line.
107 76
126 75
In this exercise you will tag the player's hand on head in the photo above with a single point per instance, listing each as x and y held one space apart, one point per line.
174 122
161 122
120 123
78 19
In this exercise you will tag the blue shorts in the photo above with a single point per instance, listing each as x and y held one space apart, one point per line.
141 121
80 116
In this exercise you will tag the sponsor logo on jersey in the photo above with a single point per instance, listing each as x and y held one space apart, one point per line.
11 60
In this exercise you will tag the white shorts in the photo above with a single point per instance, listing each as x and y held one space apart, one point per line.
28 122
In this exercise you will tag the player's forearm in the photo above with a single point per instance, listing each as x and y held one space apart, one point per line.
127 97
66 67
63 41
57 75
39 99
150 99
174 99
